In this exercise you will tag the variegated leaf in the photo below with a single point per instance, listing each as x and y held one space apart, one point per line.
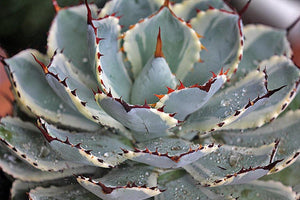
101 148
132 182
111 71
233 165
154 78
281 71
285 129
61 193
261 43
168 152
70 88
142 119
69 32
22 170
185 188
198 95
130 11
233 102
223 40
140 41
37 96
188 9
27 142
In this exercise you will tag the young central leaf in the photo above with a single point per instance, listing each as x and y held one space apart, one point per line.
154 78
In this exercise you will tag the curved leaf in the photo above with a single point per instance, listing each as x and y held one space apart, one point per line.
223 39
26 141
227 106
280 71
188 9
143 119
233 165
154 78
133 182
101 149
73 90
140 41
37 96
185 188
69 25
21 170
61 193
168 152
130 11
285 129
177 101
111 71
261 42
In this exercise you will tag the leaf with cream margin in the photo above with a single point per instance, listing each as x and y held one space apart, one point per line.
111 72
281 71
22 170
261 43
131 182
285 129
69 25
27 142
181 45
230 165
168 152
223 39
130 11
142 119
35 95
228 105
72 90
154 78
198 95
184 187
61 193
188 9
101 148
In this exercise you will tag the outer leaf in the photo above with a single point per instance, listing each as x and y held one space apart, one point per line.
261 42
188 9
61 193
69 25
111 71
130 11
227 106
137 182
100 149
186 188
154 78
141 119
21 170
177 101
281 72
223 39
233 165
140 41
35 94
26 141
285 129
69 87
169 152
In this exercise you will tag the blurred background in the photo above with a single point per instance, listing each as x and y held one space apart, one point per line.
25 23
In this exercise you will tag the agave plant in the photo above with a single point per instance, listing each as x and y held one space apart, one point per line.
152 99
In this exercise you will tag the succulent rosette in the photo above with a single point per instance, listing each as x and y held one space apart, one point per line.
177 98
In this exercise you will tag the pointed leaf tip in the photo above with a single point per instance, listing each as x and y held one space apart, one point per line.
166 3
158 51
56 6
44 67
